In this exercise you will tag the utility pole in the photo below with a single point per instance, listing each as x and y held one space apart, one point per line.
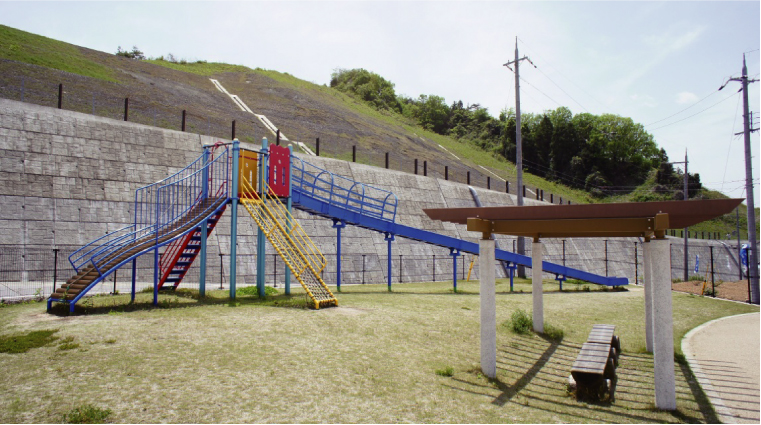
519 144
749 201
686 229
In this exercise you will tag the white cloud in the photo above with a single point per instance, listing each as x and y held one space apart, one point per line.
685 98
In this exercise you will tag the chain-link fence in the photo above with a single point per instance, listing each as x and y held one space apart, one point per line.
28 273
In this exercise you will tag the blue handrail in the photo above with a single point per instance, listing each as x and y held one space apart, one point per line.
159 205
343 192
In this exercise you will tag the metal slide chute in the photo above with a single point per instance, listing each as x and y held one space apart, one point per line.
322 193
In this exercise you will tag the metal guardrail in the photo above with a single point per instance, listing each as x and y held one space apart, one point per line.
159 206
343 192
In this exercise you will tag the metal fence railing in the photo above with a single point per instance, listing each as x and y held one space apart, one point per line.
34 272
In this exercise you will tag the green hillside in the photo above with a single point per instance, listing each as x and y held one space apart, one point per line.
32 66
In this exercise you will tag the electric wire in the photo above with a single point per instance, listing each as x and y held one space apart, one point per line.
731 139
562 75
537 89
677 113
697 113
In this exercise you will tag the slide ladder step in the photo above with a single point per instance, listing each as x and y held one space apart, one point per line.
274 220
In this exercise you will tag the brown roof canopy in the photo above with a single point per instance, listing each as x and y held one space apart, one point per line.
587 220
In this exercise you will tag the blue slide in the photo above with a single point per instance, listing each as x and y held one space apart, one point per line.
328 195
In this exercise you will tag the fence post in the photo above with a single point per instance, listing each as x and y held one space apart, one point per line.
606 258
425 168
221 271
488 182
363 269
60 95
55 268
400 268
126 109
354 153
713 285
434 267
233 130
446 172
507 186
415 166
184 113
114 293
563 252
468 174
317 147
274 268
636 265
463 267
387 160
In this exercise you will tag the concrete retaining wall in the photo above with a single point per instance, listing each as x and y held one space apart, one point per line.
67 178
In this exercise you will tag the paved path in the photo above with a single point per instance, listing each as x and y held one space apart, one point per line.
724 355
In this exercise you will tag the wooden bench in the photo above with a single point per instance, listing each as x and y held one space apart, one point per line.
603 334
594 372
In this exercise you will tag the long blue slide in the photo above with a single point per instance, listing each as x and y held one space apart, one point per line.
328 195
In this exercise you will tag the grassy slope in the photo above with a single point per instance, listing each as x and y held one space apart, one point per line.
382 130
38 50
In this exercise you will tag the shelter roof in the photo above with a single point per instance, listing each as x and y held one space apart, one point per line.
644 219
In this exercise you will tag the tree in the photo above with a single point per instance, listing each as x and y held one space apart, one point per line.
134 54
368 86
432 113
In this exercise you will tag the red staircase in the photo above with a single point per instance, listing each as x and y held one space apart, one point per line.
181 253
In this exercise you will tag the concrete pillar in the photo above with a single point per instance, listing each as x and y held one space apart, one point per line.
648 286
663 325
486 263
536 286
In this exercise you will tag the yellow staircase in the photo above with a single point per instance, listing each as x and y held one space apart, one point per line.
290 241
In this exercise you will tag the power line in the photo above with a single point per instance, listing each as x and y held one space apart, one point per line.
535 88
561 89
562 75
731 139
688 117
694 104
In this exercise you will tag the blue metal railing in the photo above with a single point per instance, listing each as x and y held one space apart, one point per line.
343 192
161 205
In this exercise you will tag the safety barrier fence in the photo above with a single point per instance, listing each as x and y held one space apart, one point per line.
87 95
64 90
30 272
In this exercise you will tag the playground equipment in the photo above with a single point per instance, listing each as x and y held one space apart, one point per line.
178 214
181 211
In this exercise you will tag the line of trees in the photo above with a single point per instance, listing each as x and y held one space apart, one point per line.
602 154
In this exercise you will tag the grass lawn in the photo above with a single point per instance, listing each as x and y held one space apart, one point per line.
373 359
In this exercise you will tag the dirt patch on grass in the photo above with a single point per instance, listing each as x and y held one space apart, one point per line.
735 291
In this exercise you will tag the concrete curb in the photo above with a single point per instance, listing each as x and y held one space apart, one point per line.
723 413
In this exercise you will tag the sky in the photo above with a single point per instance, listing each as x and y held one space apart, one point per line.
659 63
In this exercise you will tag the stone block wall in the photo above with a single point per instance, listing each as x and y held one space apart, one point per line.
67 178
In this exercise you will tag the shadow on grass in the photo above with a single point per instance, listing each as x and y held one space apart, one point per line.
101 305
533 373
